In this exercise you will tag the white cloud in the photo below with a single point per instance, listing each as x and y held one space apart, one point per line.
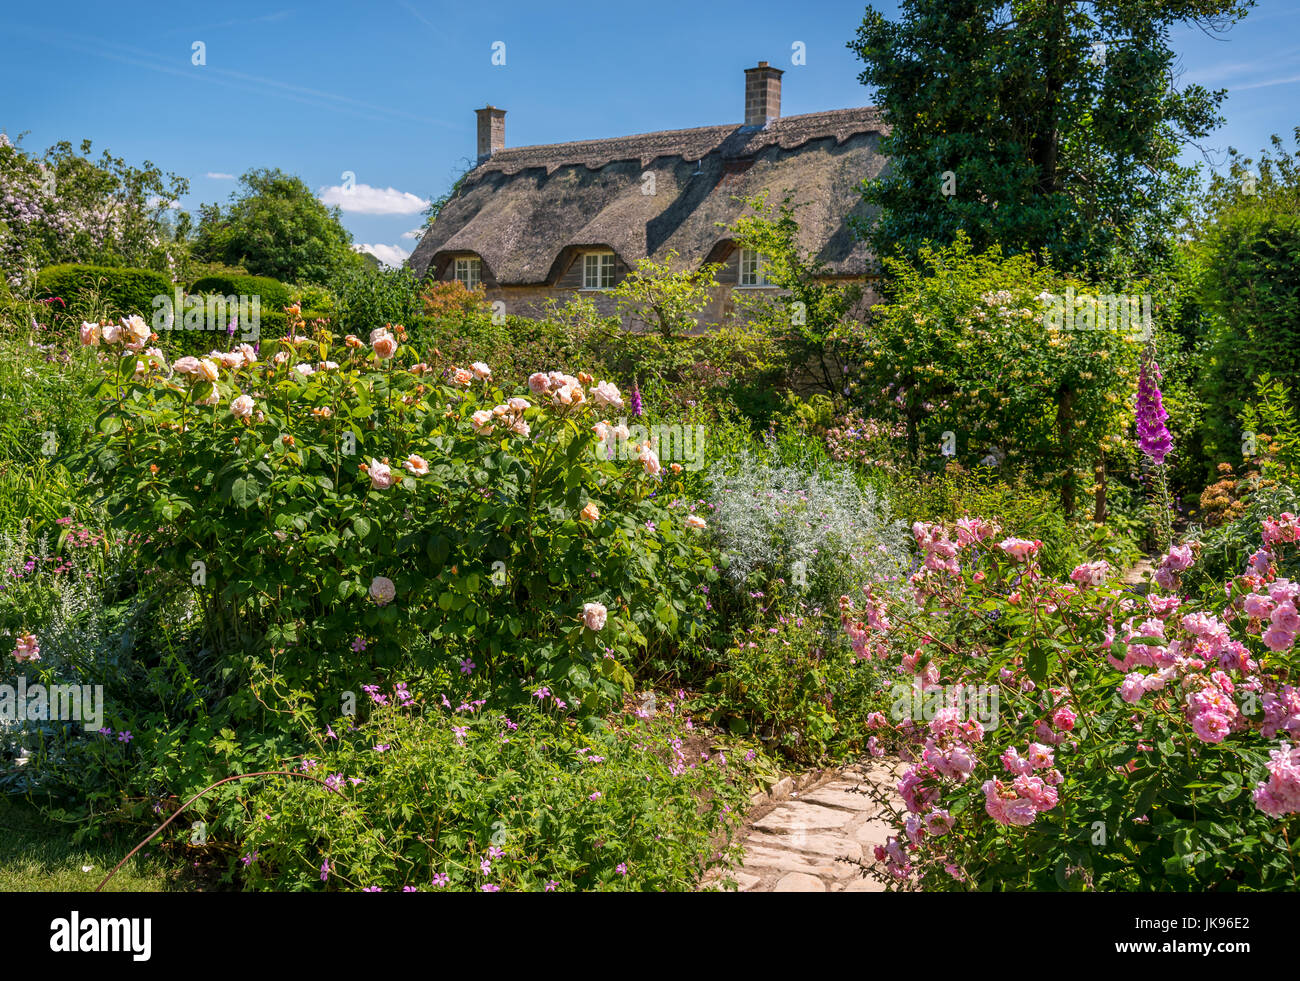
363 199
413 233
218 176
155 201
389 255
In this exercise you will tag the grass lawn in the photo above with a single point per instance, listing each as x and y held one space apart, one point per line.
38 856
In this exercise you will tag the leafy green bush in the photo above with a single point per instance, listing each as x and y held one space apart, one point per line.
498 531
364 298
94 291
1067 736
274 296
465 798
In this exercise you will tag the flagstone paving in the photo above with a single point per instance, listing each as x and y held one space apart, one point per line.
808 840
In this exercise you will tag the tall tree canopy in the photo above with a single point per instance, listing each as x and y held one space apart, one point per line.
275 226
1037 125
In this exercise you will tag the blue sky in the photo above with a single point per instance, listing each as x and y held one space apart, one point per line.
386 89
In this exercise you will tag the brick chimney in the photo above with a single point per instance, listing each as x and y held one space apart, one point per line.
762 94
492 131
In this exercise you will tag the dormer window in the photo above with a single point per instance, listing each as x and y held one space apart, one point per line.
469 271
597 270
753 268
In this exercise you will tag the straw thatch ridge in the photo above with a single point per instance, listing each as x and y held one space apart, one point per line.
524 209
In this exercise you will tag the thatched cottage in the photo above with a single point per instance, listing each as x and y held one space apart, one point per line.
546 221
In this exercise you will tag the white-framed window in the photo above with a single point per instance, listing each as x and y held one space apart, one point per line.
597 270
753 268
470 272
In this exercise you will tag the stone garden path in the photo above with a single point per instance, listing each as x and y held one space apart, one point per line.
807 840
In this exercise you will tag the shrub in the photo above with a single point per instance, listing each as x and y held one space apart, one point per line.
92 292
1132 743
457 796
814 528
274 295
265 487
365 298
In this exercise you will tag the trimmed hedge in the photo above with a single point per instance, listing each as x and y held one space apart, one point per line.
125 291
275 296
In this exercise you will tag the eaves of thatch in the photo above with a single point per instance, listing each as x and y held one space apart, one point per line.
524 210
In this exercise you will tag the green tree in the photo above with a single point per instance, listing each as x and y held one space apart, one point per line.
812 304
663 297
1038 125
275 226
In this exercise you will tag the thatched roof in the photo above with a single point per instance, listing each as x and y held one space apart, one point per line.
523 208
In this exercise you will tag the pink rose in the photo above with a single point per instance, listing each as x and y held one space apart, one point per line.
186 365
385 347
593 615
381 477
90 335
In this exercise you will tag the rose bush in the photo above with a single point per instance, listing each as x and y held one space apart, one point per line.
339 506
1141 742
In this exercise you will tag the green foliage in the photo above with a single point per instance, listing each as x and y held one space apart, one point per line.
1052 147
1252 291
811 305
665 299
275 226
486 799
274 296
364 299
1271 419
964 345
92 292
65 208
488 550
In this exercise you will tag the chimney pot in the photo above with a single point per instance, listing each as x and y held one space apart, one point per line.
762 94
491 131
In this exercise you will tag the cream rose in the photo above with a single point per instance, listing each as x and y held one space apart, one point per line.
417 464
591 512
242 407
90 334
482 420
607 394
593 615
208 370
481 371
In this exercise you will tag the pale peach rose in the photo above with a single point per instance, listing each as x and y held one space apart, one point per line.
602 431
419 370
593 615
537 382
607 394
482 420
385 347
500 410
112 333
481 371
249 353
135 332
695 521
564 395
305 370
90 334
214 397
463 376
381 476
650 460
27 648
231 360
520 428
186 366
417 464
242 407
379 332
352 340
591 512
676 468
327 365
382 590
621 431
208 370
518 405
280 357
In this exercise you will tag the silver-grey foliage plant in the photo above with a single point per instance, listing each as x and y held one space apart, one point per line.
811 526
